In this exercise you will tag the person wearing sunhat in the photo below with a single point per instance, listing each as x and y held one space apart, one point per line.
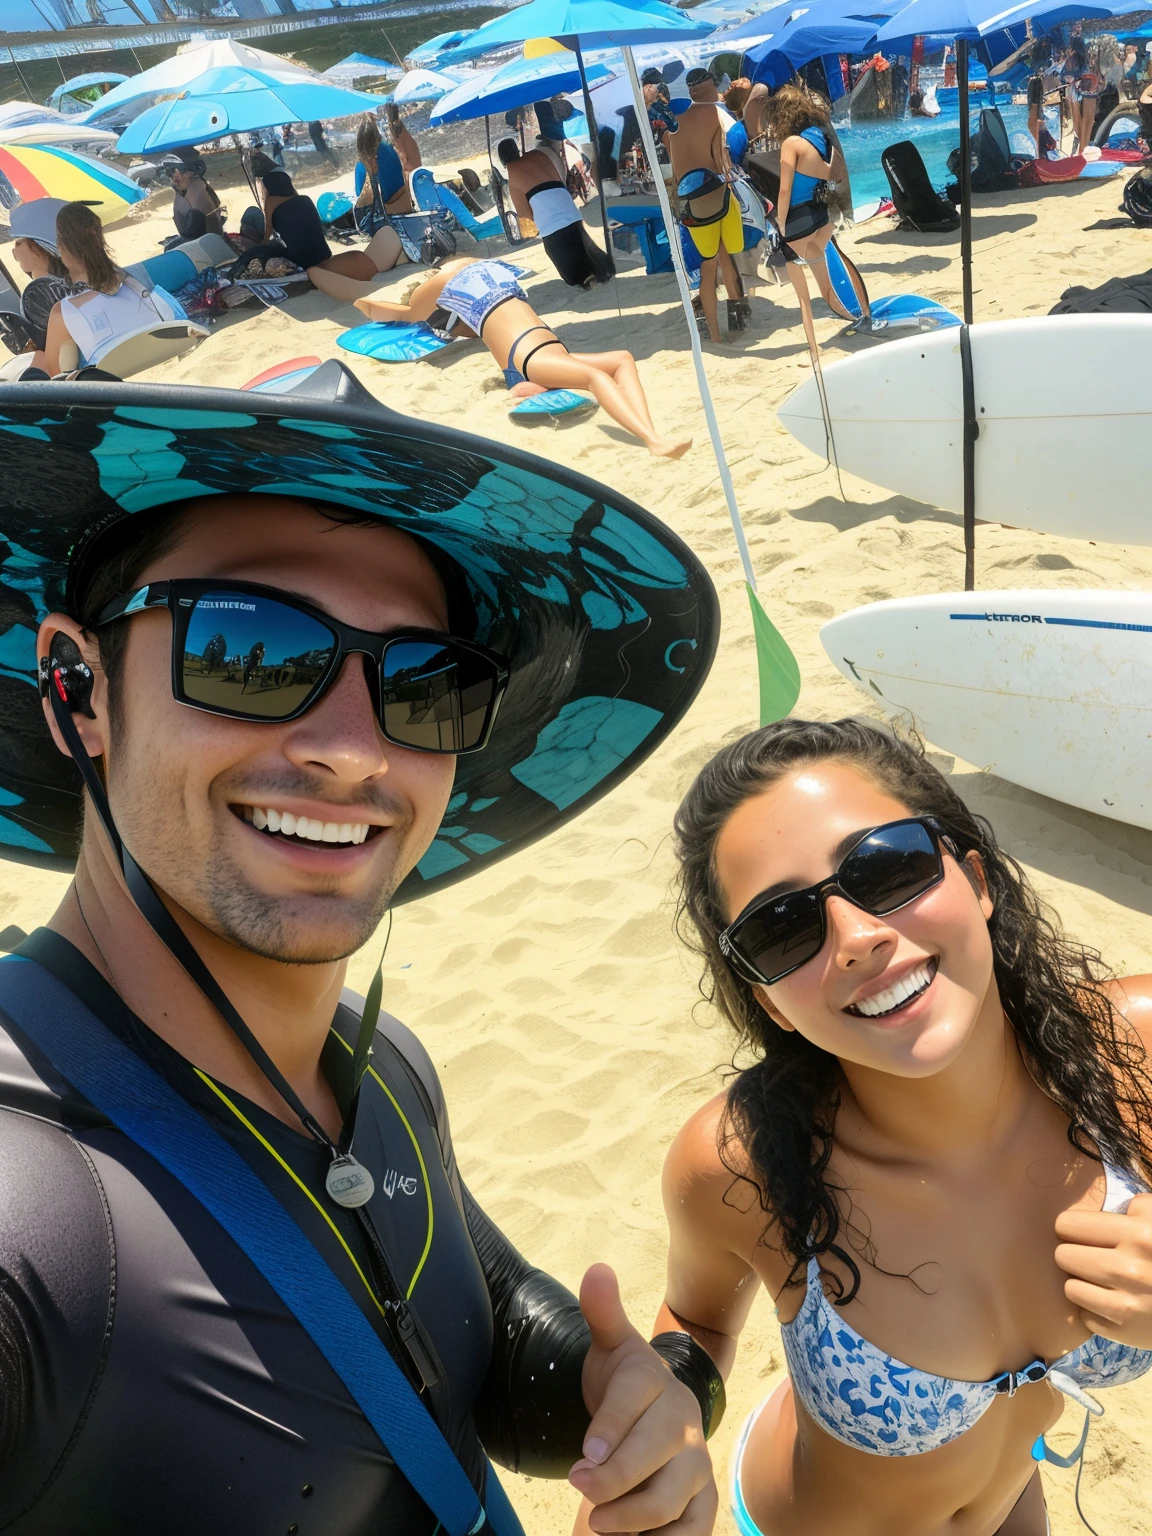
272 667
33 229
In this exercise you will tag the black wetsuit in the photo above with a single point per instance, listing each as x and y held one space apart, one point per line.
150 1378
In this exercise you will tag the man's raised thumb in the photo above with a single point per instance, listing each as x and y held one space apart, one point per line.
602 1308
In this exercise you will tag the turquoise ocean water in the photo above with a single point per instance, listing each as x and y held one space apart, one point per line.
935 138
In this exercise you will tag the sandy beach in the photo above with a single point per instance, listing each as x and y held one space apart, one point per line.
551 991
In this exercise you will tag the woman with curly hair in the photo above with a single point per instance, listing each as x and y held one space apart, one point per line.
936 1156
800 123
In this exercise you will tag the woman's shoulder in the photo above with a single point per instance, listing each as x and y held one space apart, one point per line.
709 1188
705 1156
1131 996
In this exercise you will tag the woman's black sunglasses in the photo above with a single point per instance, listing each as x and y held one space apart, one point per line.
255 653
884 870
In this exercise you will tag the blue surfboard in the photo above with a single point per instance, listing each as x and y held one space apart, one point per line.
1097 169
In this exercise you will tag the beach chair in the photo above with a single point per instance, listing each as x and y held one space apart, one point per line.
432 196
171 270
915 199
14 330
140 349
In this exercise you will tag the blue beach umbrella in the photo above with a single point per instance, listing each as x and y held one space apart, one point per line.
590 23
237 100
791 15
444 42
581 25
517 84
1050 15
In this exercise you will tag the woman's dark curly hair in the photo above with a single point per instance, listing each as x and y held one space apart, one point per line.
781 1111
793 108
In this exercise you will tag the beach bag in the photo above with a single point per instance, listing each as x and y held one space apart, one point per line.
437 243
706 198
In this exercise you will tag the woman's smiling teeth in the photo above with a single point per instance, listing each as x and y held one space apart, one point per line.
306 827
898 995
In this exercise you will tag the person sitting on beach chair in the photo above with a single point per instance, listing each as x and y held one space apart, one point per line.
485 299
33 227
114 305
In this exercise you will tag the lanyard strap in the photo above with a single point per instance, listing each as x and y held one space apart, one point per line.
142 1105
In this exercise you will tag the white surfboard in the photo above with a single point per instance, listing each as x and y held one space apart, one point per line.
1048 689
1050 456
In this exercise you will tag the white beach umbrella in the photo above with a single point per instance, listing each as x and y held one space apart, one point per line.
423 85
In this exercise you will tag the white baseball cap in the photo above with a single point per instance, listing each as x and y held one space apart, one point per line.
37 221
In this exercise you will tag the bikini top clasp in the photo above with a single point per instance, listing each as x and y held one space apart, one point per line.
1008 1381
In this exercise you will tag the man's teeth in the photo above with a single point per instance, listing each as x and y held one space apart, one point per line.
306 827
899 992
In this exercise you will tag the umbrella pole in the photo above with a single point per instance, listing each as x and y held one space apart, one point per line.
28 88
965 179
594 145
971 429
694 334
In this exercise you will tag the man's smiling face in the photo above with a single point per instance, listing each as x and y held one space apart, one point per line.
203 801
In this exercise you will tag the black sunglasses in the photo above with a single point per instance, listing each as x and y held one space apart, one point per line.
883 871
255 653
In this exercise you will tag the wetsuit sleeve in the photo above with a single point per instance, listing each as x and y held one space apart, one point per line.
530 1412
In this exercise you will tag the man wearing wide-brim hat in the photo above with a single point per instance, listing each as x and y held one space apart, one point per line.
311 659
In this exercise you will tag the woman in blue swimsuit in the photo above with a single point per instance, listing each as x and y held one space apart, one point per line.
799 122
936 1160
485 299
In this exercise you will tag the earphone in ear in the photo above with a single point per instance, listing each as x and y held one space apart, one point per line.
65 670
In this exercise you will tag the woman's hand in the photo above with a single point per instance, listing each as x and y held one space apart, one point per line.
1108 1258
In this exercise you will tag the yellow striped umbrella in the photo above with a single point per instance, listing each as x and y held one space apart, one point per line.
29 171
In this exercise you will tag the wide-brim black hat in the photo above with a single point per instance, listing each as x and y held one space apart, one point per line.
608 620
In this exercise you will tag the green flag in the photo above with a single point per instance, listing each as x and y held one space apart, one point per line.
779 672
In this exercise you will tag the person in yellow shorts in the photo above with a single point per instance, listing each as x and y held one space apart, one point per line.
710 210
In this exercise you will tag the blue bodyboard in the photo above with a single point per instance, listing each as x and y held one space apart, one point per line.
1097 169
392 341
553 402
902 311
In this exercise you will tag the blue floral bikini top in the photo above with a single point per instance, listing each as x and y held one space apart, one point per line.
864 1398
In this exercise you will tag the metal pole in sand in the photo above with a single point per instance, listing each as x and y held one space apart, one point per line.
694 334
971 427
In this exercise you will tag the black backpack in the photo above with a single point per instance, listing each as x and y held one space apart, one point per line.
1137 202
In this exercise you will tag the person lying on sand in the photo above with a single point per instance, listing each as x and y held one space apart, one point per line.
233 1232
940 1154
485 299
